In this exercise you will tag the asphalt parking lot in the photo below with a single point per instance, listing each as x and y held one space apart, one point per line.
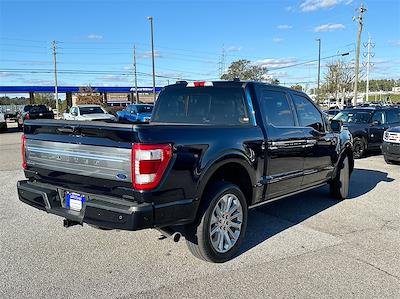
303 246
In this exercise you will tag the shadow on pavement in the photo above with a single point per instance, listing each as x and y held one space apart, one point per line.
275 217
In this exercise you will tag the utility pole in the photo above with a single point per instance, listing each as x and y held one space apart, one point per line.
222 62
369 45
319 67
135 74
152 56
362 10
55 75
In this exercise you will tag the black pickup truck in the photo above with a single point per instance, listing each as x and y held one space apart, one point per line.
211 151
33 112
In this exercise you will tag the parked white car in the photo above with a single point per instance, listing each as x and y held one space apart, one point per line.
88 112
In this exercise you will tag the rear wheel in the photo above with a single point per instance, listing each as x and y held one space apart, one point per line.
339 186
359 146
222 224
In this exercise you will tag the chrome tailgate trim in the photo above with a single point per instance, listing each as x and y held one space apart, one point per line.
88 160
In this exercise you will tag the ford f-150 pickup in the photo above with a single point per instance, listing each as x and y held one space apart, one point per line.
211 151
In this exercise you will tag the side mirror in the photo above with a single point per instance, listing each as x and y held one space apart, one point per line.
336 125
74 113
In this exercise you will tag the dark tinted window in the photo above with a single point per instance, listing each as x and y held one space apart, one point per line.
354 116
379 117
144 108
308 114
393 116
276 109
201 105
90 110
36 108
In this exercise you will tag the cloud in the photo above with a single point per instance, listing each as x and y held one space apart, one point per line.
395 42
277 40
329 27
94 36
313 5
114 78
41 82
147 54
234 49
6 74
290 8
276 63
284 27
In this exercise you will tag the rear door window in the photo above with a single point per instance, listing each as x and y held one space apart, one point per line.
393 116
276 109
201 105
307 113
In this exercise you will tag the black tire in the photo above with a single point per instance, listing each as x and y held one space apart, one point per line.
198 236
359 147
339 187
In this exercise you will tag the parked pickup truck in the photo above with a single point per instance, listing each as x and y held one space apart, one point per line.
34 112
211 151
88 112
135 113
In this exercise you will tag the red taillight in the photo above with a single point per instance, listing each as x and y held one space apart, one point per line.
27 116
199 84
148 164
24 165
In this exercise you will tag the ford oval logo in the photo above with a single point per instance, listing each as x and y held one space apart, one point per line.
121 176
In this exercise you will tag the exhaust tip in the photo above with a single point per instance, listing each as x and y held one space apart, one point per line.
176 237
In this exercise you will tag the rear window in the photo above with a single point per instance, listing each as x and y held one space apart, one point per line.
90 110
201 105
38 108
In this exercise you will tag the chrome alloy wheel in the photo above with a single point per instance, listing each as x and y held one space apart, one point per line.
226 223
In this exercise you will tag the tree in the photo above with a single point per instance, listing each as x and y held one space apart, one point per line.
339 76
245 70
275 81
87 95
297 87
45 99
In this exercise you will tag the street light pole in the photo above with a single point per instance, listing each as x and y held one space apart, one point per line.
55 75
152 56
319 66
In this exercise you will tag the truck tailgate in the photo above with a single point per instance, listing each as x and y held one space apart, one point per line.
86 156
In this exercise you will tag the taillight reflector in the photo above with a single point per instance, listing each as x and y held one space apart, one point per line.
23 150
149 163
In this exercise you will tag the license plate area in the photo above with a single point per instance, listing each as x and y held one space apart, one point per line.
74 201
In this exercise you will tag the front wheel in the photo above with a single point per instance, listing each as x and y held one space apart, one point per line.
359 147
222 224
339 186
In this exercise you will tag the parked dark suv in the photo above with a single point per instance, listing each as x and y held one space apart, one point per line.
367 125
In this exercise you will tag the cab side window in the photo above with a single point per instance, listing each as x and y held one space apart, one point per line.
378 117
308 114
393 116
276 109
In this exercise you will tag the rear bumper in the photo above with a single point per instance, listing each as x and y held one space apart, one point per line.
108 212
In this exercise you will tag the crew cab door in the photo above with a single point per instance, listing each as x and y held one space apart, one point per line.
378 125
284 143
321 143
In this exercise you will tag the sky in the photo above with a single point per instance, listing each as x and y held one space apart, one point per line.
193 39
